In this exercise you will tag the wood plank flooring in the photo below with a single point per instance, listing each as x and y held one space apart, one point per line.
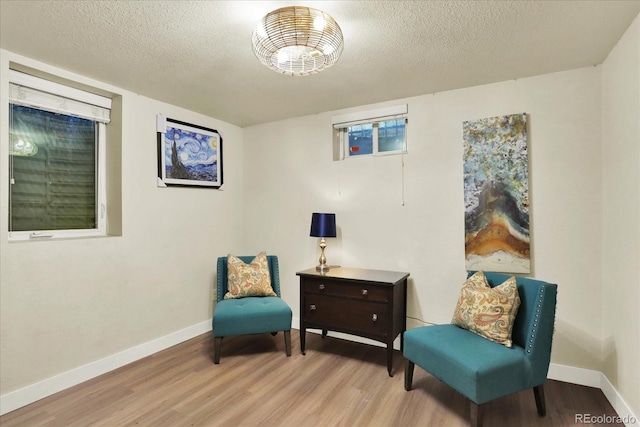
337 383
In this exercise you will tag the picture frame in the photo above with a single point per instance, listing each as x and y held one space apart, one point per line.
188 155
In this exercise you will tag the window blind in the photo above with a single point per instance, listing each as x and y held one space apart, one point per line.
31 91
371 116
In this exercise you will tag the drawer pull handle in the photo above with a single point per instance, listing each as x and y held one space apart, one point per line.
312 307
374 317
365 292
321 287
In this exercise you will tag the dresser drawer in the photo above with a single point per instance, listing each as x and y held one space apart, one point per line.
364 291
347 314
367 291
368 317
323 287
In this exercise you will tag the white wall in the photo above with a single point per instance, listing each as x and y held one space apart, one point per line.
68 303
289 173
621 207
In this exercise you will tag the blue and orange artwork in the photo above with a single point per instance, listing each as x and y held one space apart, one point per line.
496 194
190 155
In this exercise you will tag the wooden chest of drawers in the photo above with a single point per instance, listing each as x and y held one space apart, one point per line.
367 303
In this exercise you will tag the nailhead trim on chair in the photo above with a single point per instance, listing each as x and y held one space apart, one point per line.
276 273
535 319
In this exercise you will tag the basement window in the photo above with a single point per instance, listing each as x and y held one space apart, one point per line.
370 133
57 139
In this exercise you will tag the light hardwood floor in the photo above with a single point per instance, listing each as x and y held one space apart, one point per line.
337 383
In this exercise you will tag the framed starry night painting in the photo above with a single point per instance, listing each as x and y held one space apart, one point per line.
188 155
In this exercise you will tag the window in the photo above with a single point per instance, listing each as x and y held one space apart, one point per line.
377 132
57 138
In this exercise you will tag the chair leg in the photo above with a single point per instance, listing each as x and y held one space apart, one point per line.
287 342
217 342
476 414
273 334
538 393
408 374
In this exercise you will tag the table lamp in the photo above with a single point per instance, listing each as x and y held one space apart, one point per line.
323 225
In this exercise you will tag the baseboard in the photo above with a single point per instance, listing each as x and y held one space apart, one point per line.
570 374
34 392
619 404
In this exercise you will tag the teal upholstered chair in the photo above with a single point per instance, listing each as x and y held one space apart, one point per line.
249 315
483 370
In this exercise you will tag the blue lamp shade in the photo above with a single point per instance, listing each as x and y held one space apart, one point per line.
323 225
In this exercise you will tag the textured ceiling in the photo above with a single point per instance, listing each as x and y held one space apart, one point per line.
197 54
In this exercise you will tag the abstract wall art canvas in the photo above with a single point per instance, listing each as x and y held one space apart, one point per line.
189 155
496 194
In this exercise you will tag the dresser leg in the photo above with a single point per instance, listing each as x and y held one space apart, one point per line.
303 336
390 359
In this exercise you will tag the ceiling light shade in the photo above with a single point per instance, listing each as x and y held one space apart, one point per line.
297 41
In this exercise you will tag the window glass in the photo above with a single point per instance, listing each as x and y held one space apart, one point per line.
391 136
360 139
52 170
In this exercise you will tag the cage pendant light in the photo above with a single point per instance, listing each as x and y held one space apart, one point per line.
297 41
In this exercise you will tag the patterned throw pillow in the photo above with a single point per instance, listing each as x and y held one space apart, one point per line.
486 311
248 280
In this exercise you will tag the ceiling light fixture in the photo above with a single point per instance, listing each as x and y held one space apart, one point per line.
297 40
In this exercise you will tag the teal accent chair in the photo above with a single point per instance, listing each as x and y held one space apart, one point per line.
249 315
483 370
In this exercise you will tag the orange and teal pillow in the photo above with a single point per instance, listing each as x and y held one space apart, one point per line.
248 280
486 311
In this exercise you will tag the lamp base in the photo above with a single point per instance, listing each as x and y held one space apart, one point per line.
323 268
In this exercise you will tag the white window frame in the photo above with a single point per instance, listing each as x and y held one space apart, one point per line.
42 94
341 124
